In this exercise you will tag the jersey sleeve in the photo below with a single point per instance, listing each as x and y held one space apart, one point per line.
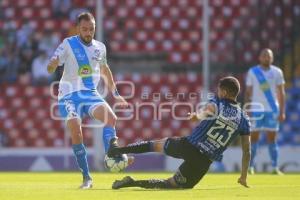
280 78
61 52
249 78
103 59
245 125
215 102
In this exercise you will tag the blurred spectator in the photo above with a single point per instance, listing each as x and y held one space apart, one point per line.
2 67
3 139
39 71
24 33
12 67
27 53
1 39
10 33
61 8
8 66
49 41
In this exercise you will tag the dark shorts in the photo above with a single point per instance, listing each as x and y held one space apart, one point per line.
195 164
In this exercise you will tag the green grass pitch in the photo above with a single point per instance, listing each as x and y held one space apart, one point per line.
56 186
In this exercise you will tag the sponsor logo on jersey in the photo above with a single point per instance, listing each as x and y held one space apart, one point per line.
85 71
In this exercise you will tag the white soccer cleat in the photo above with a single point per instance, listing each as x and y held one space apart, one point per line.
87 183
251 170
277 171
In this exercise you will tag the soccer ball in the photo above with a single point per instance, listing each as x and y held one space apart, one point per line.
116 164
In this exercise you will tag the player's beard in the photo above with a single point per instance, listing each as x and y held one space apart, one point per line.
86 39
266 64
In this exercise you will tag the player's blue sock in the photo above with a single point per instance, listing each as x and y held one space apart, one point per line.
254 147
108 134
273 151
81 158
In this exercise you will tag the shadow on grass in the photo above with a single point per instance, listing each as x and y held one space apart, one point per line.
162 190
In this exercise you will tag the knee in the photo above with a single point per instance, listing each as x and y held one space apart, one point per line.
74 125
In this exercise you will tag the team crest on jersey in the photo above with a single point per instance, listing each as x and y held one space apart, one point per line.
97 52
97 55
85 71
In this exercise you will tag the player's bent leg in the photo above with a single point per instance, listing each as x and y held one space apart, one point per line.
139 147
190 172
254 146
187 176
104 113
74 125
169 146
175 147
273 151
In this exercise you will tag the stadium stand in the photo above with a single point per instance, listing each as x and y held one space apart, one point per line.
25 111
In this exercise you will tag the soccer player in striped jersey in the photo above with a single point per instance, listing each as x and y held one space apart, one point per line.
265 87
84 61
221 121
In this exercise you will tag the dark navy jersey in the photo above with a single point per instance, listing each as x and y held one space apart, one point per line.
213 135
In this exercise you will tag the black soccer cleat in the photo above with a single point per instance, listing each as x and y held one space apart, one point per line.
125 182
113 151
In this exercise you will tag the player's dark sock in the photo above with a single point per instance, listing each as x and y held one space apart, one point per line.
152 184
138 147
148 184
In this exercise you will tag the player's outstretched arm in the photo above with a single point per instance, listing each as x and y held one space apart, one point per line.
245 140
53 65
108 79
208 110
